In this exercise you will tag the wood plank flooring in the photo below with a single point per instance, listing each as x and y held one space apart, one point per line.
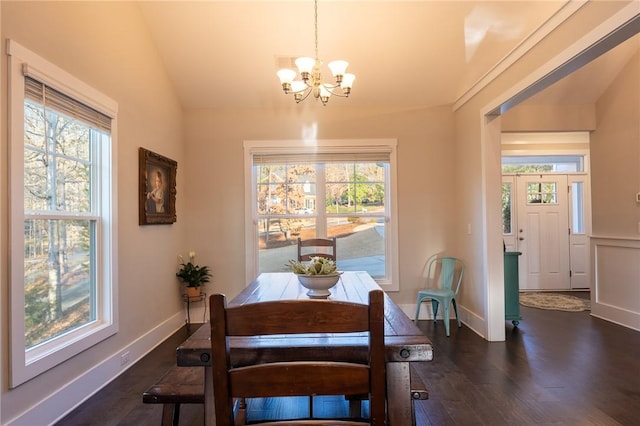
559 368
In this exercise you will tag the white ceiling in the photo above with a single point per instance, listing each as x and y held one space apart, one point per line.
405 54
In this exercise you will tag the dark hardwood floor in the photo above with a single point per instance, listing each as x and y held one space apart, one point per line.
555 368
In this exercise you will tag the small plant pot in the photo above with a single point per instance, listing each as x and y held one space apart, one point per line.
193 291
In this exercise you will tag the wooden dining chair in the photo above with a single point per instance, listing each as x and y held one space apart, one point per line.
267 376
314 247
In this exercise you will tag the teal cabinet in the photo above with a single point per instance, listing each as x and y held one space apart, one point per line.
511 287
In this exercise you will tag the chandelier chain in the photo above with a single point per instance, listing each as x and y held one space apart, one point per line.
315 16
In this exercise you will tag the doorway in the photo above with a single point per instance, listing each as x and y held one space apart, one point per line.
545 218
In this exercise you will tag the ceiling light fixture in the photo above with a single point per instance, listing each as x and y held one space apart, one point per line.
309 69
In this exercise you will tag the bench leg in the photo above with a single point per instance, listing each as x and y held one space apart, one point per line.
355 408
399 394
170 414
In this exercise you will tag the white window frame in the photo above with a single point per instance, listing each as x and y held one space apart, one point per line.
26 364
391 281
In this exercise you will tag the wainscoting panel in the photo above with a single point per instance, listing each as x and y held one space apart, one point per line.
615 290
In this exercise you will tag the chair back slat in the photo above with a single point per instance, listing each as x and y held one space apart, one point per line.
283 378
258 380
294 317
313 245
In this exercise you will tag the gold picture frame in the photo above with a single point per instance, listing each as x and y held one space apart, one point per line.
157 188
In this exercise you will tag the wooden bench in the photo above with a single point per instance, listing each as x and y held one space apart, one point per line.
185 385
179 385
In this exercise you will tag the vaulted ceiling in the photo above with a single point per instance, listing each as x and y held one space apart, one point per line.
406 54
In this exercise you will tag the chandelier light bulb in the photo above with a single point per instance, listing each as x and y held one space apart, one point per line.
347 82
286 77
305 64
338 68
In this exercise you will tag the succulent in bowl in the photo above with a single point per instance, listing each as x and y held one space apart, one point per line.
318 265
318 275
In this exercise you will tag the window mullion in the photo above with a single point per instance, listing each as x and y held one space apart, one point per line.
321 210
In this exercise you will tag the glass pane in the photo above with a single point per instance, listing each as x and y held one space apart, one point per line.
36 181
278 239
289 189
301 198
271 198
340 172
340 198
58 277
542 193
355 187
360 244
577 201
73 186
72 136
271 173
507 195
543 164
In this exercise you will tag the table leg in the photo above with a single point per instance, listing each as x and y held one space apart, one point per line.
399 394
209 411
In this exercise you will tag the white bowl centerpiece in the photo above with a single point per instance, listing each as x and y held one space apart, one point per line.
318 275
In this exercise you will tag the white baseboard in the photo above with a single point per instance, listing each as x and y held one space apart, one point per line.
468 318
473 321
66 398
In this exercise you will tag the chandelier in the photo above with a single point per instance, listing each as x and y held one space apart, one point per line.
309 69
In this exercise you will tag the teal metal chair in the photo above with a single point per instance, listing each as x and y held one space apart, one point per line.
444 276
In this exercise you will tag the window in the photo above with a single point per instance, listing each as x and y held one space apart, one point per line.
543 164
331 189
542 193
507 210
62 192
577 208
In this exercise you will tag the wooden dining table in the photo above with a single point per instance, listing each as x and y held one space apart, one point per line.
404 342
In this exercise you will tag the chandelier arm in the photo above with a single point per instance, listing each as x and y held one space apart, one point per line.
332 90
306 92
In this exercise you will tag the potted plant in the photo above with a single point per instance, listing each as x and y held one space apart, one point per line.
194 276
318 275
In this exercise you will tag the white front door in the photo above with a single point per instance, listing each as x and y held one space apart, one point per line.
542 232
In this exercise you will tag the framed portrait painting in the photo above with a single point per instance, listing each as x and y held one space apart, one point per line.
157 188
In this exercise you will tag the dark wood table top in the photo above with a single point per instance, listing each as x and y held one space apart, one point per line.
403 340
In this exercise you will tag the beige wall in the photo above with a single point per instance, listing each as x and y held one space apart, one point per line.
615 151
545 118
215 193
105 45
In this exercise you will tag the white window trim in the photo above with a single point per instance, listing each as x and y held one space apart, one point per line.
252 147
25 367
